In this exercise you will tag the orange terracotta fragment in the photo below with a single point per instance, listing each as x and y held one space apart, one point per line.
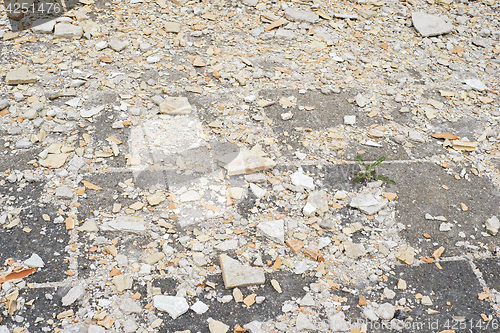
17 275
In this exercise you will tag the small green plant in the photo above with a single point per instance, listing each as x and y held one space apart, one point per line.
368 173
100 88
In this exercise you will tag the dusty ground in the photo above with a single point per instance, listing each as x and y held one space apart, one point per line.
140 141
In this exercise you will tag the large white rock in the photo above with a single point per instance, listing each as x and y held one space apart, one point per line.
245 162
173 305
385 311
302 323
235 274
492 225
72 295
301 180
317 203
125 224
64 30
34 261
367 203
199 307
43 26
431 25
274 230
297 15
338 322
175 106
20 75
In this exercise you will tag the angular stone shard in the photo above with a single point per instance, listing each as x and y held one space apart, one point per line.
246 162
125 224
429 25
367 203
175 106
20 75
274 230
296 15
173 305
64 30
237 275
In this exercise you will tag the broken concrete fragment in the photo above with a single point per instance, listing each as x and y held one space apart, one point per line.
54 160
301 180
492 225
296 15
34 261
154 258
354 250
156 198
130 224
64 30
199 307
429 25
173 305
406 254
129 306
122 283
317 203
175 106
274 230
89 226
73 295
216 326
238 275
385 311
338 323
245 162
174 27
367 203
20 75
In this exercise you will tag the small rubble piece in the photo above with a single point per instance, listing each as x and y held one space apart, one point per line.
216 326
122 283
173 305
475 84
89 226
317 203
367 203
338 322
156 198
64 30
129 306
361 100
429 25
130 224
36 261
73 295
176 106
64 192
301 180
246 162
199 307
20 75
354 250
174 27
406 254
349 120
302 323
296 15
237 275
54 161
385 311
117 45
91 112
274 230
492 225
43 26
